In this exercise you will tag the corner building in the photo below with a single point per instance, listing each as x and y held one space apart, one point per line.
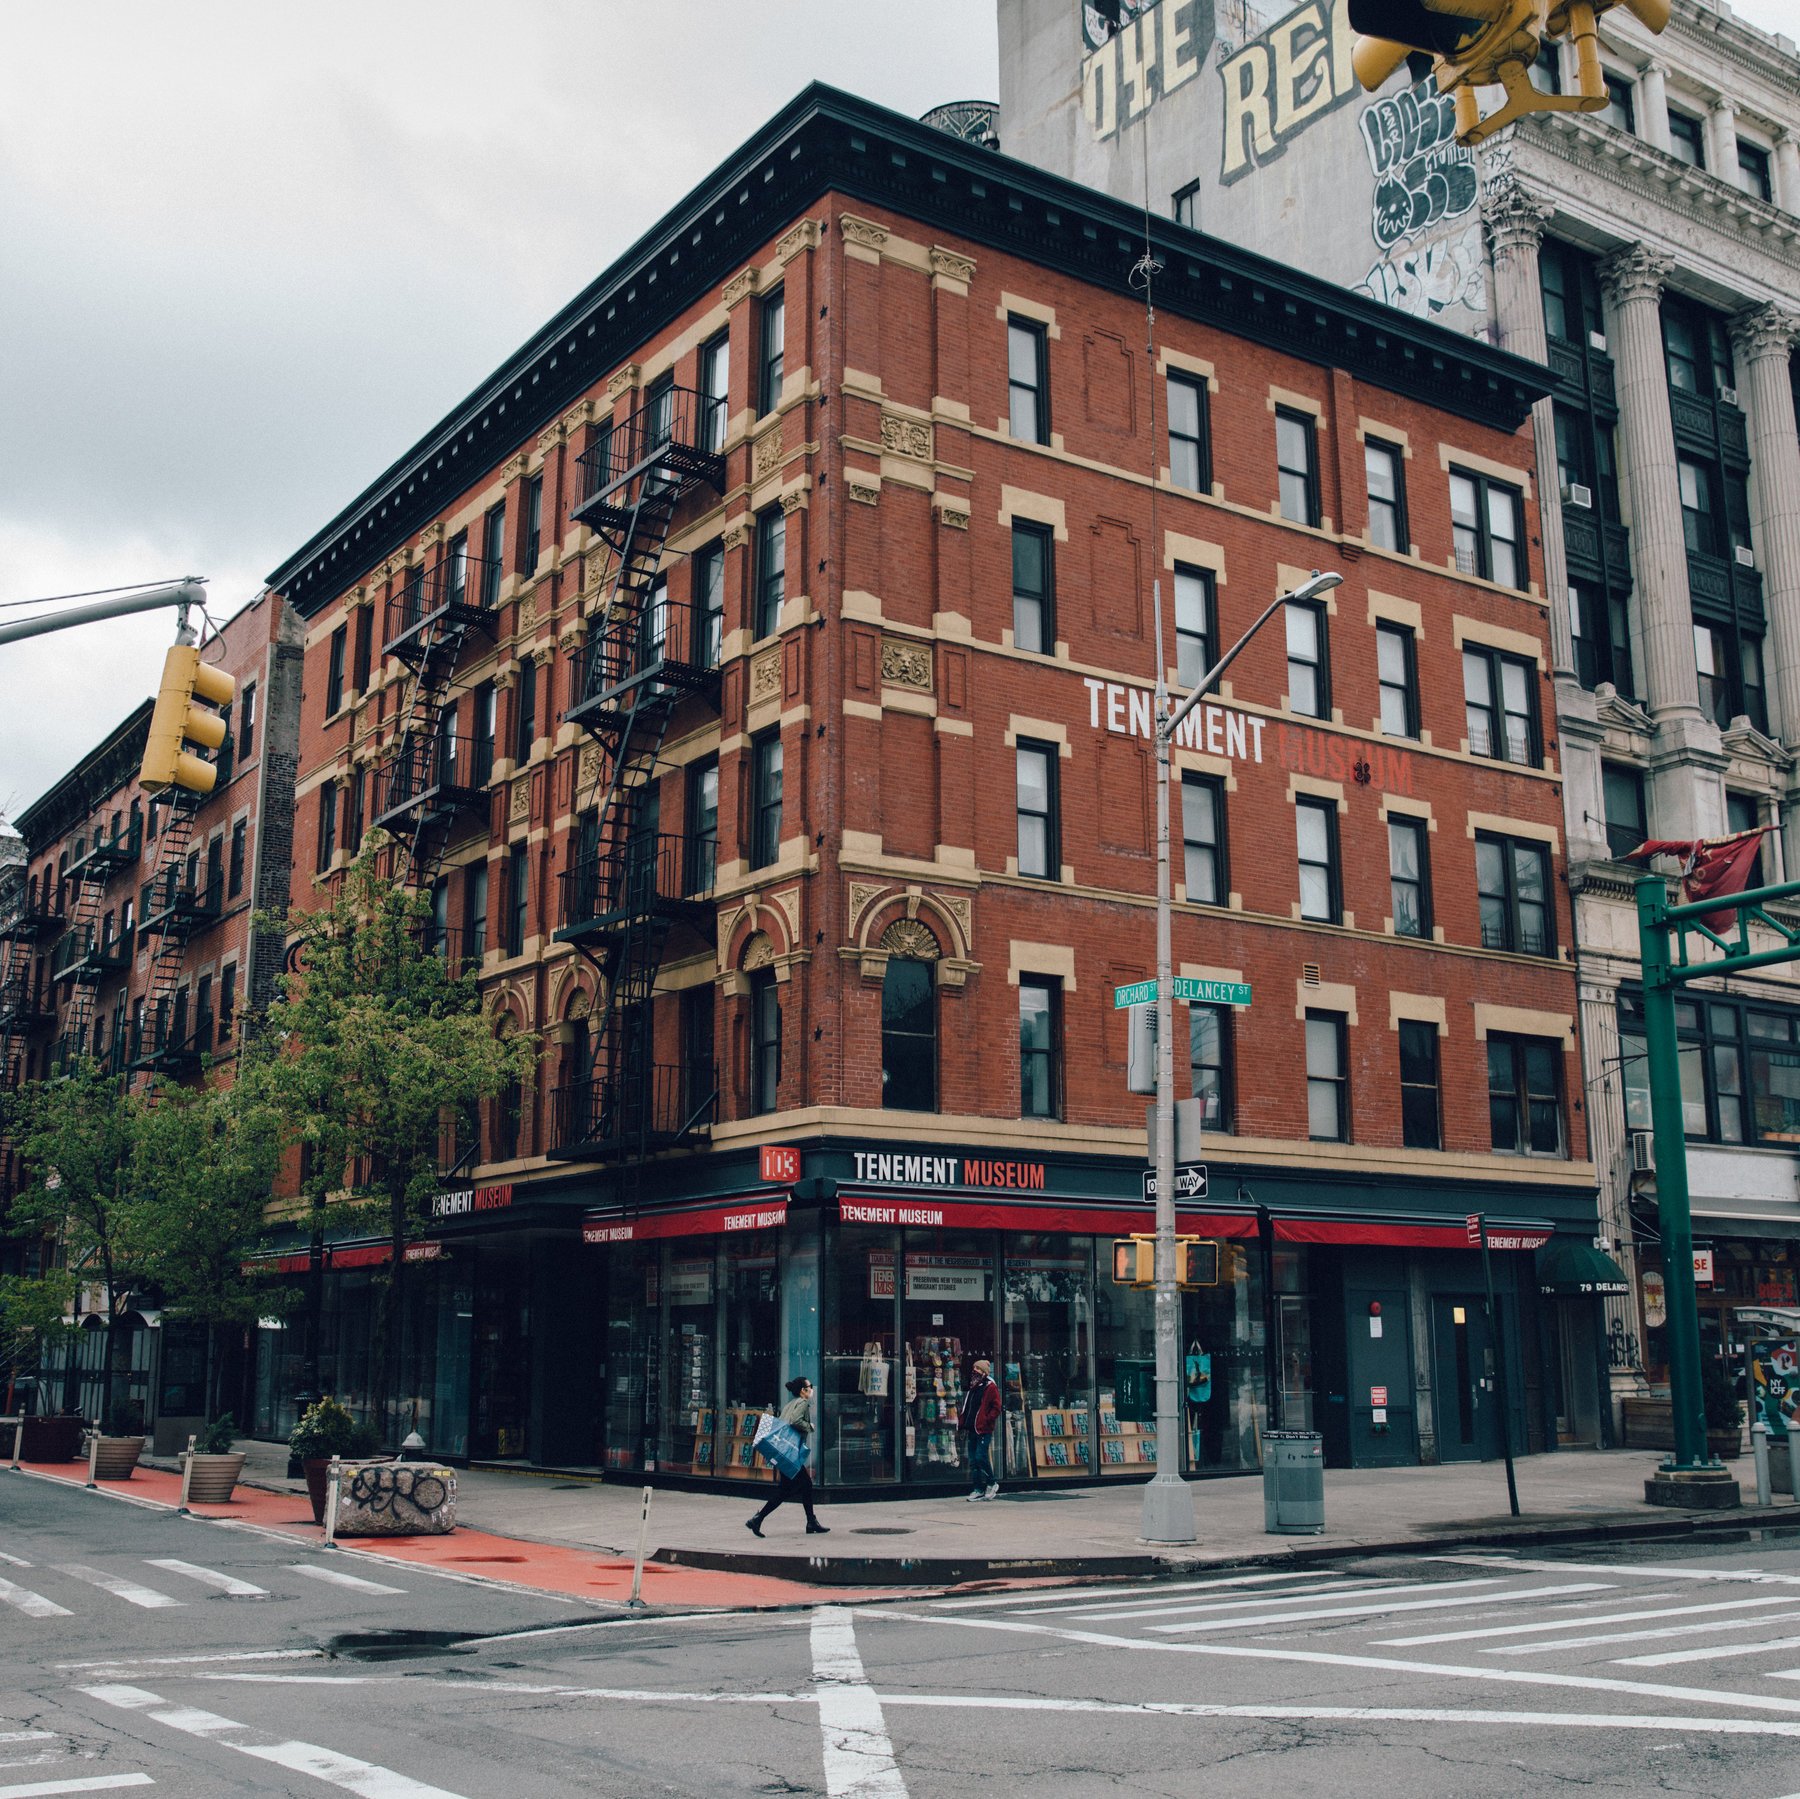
786 765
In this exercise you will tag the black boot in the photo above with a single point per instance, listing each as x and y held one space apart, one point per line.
814 1528
754 1525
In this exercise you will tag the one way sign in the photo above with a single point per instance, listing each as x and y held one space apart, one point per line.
1190 1182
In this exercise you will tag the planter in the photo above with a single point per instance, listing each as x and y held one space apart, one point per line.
318 1473
212 1477
1723 1443
1649 1423
116 1457
51 1440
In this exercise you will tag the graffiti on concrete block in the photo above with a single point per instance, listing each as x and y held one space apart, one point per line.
1428 279
1423 176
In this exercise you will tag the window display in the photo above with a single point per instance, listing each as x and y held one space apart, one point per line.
859 1388
947 1305
1047 1382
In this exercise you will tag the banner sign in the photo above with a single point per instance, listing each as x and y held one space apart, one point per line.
460 1201
743 1215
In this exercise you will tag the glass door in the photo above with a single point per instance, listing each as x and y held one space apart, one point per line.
1047 1375
947 1313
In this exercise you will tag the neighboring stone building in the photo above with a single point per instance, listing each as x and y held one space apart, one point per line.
815 842
1650 255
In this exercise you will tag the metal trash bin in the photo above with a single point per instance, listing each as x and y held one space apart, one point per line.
1293 1482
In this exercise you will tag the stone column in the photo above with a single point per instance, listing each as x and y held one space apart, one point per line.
1787 172
1763 336
1653 106
1721 140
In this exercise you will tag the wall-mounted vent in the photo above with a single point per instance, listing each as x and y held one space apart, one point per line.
1309 974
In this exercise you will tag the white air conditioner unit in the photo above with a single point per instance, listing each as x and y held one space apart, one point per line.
1596 340
1728 395
1574 494
1643 1153
1745 555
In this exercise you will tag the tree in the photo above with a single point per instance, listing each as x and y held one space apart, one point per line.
33 1314
373 1043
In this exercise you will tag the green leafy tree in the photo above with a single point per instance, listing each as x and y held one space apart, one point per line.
375 1042
33 1316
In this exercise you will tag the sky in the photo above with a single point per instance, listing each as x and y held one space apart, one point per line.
254 252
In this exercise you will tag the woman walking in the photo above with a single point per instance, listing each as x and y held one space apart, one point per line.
798 1412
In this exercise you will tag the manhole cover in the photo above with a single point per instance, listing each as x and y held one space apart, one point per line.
881 1530
397 1645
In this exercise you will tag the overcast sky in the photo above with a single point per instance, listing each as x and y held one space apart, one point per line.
253 252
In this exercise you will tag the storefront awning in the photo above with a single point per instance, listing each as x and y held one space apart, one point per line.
1570 1269
763 1213
998 1215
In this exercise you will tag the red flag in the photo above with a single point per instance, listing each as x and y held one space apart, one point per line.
1715 867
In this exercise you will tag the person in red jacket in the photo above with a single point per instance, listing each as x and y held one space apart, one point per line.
978 1414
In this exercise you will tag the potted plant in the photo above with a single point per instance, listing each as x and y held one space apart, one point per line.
117 1457
326 1428
1724 1415
213 1465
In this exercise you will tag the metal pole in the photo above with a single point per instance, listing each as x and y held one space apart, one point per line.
1673 1216
1265 1234
187 1476
191 592
637 1568
1498 1334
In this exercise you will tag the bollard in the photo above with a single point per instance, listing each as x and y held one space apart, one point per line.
637 1570
94 1454
1793 1464
1759 1452
18 1441
187 1474
331 1502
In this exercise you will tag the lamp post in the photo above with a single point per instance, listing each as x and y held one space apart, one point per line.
1168 1507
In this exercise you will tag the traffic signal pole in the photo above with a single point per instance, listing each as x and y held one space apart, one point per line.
191 592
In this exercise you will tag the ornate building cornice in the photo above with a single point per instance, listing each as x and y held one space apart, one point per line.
1636 272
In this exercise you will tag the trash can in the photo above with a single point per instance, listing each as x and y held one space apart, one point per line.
1293 1482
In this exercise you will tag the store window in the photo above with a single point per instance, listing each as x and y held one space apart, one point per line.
690 1424
908 1036
946 1283
1047 1385
860 1375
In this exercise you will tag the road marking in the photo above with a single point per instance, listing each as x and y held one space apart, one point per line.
1378 1606
33 1605
1667 1657
337 1578
13 1561
1638 1636
1353 1590
210 1577
119 1587
765 1620
1519 1630
1049 1596
92 1783
415 1682
859 1759
366 1779
183 1661
1643 1571
27 1736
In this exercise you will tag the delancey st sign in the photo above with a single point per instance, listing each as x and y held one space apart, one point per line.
1186 989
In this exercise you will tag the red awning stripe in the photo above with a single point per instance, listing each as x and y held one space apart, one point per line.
763 1212
1404 1236
886 1208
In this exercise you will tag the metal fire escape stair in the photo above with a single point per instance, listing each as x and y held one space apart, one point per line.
161 1047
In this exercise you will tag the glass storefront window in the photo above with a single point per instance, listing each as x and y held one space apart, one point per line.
688 1336
1125 1361
501 1364
751 1325
860 1384
1293 1323
630 1366
1222 1364
1047 1376
947 1308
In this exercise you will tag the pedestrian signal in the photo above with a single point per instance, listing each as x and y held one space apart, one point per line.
1196 1262
189 687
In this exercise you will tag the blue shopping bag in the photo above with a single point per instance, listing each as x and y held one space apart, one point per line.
783 1449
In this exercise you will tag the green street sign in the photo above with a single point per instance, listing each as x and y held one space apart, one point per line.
1212 993
1138 993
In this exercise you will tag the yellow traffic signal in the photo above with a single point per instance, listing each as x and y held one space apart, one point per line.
186 680
1196 1262
1134 1261
1489 43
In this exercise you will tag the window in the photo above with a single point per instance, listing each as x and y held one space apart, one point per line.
1700 523
1203 839
1327 1080
659 413
1743 812
1384 468
771 351
525 710
1487 527
1601 627
1512 882
152 824
487 726
709 602
240 843
765 1040
1409 876
1027 381
1622 795
1034 589
1524 1102
334 674
1687 139
1184 205
1739 1068
1297 461
1546 71
493 543
1309 682
227 1000
1190 459
1040 1036
1753 171
765 800
1730 684
474 915
1196 624
771 569
353 830
363 653
328 805
1209 1064
1040 855
908 1036
702 825
698 1079
531 516
518 899
509 1111
1696 347
1315 829
715 391
246 717
1419 1106
1500 706
1396 670
1618 108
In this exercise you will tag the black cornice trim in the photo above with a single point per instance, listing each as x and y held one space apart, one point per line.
99 774
829 141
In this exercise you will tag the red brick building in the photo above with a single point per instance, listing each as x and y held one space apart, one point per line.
127 936
757 669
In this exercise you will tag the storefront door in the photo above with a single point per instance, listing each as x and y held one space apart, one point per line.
502 1372
1466 1379
947 1325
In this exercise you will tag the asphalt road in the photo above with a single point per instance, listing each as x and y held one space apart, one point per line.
1469 1675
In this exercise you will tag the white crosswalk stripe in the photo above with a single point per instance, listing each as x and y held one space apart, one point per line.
1282 1620
1046 1596
338 1578
1668 1657
90 1783
211 1577
1151 1605
1514 1630
33 1605
121 1588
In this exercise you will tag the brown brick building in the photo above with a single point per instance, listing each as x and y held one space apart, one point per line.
757 669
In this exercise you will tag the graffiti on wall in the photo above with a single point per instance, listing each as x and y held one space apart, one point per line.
1156 50
1278 83
1097 30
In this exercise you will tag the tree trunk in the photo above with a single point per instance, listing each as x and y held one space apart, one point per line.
389 1314
212 1372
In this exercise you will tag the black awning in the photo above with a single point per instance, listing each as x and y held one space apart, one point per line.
1570 1269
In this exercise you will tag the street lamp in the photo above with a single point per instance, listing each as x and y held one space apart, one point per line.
1168 1507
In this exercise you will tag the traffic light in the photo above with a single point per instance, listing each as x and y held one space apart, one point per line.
1196 1262
1488 43
1134 1261
187 684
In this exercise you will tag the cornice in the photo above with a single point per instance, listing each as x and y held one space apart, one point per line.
108 766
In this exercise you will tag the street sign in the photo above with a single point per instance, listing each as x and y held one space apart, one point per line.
1138 993
1190 1182
1212 993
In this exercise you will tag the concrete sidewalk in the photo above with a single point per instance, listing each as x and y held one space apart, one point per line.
1049 1532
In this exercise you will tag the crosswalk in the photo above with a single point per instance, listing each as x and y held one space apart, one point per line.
43 1750
65 1589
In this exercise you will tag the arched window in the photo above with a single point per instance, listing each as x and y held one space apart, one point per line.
908 1036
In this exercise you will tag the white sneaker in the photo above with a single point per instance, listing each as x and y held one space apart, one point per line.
975 1496
993 1492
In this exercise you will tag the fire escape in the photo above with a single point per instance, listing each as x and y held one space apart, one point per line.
630 885
92 950
181 897
433 778
30 919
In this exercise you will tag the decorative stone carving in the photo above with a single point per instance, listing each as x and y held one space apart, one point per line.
951 266
543 654
765 454
549 438
737 534
905 663
787 901
520 806
765 676
864 232
1634 273
528 611
863 894
581 1004
759 952
909 938
960 910
906 437
624 381
577 416
794 500
804 236
588 768
953 516
740 286
432 534
513 467
864 489
1764 331
1515 218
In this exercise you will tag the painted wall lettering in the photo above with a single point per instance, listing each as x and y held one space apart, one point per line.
1214 730
1157 49
1422 174
1277 84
